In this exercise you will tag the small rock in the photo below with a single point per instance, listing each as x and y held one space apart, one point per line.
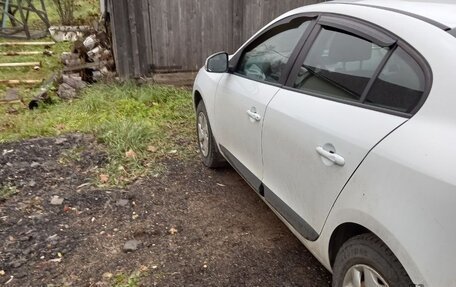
122 202
32 183
17 263
5 151
53 238
56 260
2 273
172 231
131 245
35 164
56 200
12 95
60 141
107 276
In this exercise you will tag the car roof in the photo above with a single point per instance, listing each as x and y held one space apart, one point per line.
439 11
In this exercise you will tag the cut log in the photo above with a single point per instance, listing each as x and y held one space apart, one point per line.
24 64
67 92
74 82
9 44
88 66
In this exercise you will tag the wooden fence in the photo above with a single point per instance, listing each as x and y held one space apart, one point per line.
156 36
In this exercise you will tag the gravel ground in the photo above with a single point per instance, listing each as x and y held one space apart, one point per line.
187 227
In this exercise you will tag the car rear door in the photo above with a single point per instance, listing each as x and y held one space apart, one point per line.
242 96
322 125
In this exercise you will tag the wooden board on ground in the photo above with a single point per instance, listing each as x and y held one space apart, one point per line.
19 82
25 53
24 64
9 44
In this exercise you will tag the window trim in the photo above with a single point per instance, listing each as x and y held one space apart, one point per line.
364 31
235 60
403 12
421 61
453 32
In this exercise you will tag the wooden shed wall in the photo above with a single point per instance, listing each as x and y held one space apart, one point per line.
178 35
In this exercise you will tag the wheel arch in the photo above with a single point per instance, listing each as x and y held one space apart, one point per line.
197 98
342 234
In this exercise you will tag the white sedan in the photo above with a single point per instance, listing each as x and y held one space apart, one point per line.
341 116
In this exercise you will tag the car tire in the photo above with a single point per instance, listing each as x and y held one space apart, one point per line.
366 256
210 154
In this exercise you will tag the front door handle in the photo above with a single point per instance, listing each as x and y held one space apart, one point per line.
253 115
333 157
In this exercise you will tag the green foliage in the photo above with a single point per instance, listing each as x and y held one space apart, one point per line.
7 191
122 280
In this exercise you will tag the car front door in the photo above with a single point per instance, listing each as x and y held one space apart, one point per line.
243 94
322 125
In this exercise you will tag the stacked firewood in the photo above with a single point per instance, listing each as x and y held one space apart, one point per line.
90 61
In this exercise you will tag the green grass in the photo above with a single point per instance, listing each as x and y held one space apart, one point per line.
124 117
7 191
122 280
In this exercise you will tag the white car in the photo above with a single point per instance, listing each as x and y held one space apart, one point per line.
342 117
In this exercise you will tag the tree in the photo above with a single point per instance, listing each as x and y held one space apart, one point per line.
65 9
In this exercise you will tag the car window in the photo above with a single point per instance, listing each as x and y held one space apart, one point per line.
267 57
339 65
400 85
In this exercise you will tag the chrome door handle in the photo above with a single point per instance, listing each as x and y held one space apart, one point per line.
334 157
254 116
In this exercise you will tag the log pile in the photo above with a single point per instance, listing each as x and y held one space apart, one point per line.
90 61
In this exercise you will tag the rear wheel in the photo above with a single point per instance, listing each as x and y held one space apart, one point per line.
210 154
365 261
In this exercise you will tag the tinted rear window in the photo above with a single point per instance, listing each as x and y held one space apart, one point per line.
400 85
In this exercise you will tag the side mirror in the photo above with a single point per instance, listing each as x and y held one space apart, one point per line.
217 63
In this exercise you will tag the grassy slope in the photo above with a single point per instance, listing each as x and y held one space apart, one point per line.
123 117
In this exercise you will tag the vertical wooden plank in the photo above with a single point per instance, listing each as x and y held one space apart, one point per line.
146 29
120 31
134 39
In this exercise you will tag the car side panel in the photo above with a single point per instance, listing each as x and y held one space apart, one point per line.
295 125
206 84
408 185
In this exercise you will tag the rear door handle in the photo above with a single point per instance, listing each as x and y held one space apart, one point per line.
334 157
253 115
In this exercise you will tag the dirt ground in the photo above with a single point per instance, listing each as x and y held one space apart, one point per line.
191 226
